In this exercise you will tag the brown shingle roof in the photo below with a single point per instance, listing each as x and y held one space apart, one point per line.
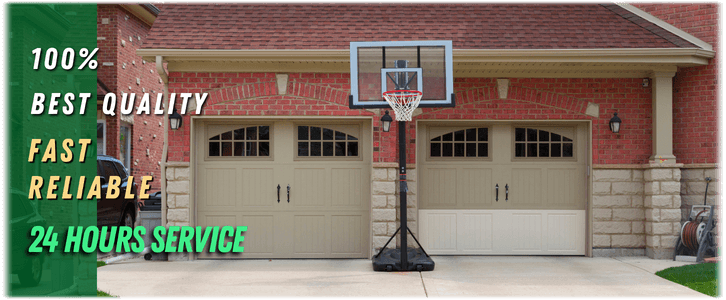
469 26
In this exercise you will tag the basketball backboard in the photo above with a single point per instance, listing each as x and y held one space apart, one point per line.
425 66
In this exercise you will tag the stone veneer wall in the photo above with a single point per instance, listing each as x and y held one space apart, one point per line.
385 204
617 210
177 198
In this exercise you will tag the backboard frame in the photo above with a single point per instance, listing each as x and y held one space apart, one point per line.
354 103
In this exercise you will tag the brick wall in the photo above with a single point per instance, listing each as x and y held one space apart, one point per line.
119 40
537 99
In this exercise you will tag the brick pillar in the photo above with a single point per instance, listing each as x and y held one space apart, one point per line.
662 204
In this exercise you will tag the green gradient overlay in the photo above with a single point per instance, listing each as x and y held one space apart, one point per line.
43 26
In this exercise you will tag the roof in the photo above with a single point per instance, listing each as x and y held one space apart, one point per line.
469 26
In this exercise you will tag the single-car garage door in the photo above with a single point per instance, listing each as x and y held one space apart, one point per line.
502 188
301 188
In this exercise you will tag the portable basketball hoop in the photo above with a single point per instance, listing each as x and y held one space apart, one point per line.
403 102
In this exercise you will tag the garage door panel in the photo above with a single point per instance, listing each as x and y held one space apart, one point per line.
440 188
347 187
347 233
309 187
525 189
310 234
219 186
564 232
476 187
525 234
476 232
258 188
220 220
260 235
439 232
560 190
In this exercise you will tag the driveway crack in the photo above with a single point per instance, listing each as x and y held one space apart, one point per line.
423 284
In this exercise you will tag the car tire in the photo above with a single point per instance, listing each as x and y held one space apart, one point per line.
30 276
128 219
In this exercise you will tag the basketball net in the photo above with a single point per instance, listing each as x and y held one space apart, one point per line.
403 102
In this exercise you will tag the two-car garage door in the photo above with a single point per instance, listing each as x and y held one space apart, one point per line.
301 188
503 188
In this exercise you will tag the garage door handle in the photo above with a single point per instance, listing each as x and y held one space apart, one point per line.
497 188
506 192
288 193
278 193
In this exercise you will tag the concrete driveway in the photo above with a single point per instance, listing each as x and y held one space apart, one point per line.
454 276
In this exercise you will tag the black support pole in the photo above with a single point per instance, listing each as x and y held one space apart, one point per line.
403 189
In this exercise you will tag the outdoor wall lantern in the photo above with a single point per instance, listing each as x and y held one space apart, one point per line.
615 123
175 120
386 121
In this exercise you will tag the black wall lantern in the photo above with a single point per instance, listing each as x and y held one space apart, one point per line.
615 123
175 120
386 121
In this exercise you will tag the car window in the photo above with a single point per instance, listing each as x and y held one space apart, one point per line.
109 169
99 170
121 170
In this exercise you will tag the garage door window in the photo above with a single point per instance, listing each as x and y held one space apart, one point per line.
313 141
251 141
472 142
531 142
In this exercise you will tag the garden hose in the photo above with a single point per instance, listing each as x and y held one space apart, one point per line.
691 232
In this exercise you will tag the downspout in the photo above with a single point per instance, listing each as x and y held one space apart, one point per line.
164 78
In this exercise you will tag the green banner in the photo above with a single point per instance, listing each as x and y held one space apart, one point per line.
51 50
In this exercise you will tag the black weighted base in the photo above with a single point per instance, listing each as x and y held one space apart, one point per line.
390 260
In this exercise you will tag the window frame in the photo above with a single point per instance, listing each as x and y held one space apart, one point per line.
231 127
548 128
453 129
344 127
101 121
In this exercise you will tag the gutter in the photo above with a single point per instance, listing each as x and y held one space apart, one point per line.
164 153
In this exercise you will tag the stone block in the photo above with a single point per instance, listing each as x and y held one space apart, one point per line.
638 227
182 201
661 253
411 175
662 228
658 174
379 241
699 188
170 201
659 201
611 201
412 188
677 174
629 241
412 201
670 188
392 173
380 174
668 241
612 175
177 187
383 215
652 214
601 188
627 188
169 173
392 201
177 215
692 174
181 174
636 201
383 188
379 201
607 252
380 229
638 175
713 173
601 240
670 215
602 214
651 188
629 214
392 226
611 227
652 241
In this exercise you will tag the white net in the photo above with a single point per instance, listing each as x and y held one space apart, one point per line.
403 102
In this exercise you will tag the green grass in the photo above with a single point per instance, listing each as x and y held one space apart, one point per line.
100 293
702 278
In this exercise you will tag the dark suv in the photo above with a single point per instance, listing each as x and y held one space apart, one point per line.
118 211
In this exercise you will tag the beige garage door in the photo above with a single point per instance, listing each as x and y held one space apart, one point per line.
325 166
503 188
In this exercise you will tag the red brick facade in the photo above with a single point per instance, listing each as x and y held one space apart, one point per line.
477 99
695 102
119 40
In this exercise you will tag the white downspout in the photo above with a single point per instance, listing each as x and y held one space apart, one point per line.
165 79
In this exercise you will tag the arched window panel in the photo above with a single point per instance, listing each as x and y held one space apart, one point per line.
467 143
314 141
532 142
253 141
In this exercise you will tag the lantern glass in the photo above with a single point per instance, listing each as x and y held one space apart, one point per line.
386 121
615 123
175 120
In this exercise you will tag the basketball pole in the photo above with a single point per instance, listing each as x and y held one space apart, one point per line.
403 193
